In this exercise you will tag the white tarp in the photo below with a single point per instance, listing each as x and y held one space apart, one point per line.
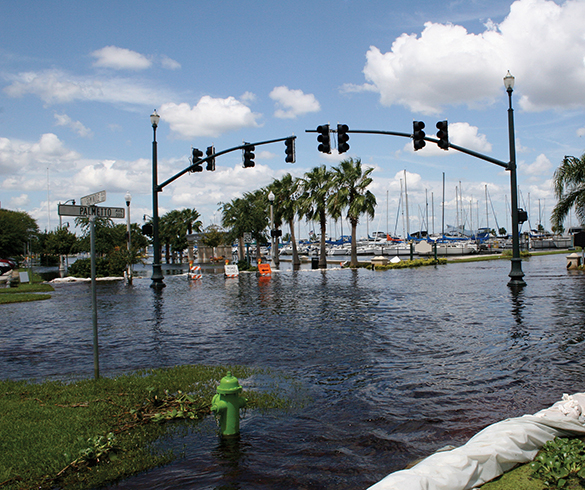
493 451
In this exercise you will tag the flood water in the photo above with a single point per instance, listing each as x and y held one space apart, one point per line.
396 363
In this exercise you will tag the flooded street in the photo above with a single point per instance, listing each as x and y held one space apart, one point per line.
396 363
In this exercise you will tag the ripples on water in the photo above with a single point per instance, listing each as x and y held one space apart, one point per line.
397 363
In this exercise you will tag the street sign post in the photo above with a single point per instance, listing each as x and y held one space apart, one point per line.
92 199
88 211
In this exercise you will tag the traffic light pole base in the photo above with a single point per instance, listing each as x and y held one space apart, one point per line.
157 277
516 273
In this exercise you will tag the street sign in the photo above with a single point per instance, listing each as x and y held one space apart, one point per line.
93 198
87 211
248 238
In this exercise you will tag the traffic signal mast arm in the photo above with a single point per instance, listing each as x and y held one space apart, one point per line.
160 187
426 138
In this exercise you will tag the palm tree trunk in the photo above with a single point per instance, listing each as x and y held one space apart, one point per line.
296 262
241 249
353 261
323 251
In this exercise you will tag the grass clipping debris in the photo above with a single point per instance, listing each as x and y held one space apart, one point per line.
88 433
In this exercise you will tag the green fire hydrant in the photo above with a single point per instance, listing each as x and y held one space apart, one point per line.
227 403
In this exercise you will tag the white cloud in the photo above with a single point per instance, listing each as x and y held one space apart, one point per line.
112 175
581 132
540 42
460 134
293 103
169 63
247 98
120 59
540 167
56 86
20 156
210 117
463 134
75 126
19 202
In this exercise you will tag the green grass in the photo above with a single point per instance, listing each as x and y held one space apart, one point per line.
519 478
22 298
46 427
25 292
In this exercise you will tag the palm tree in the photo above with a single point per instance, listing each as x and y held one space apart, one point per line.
569 186
192 222
230 220
247 214
285 209
315 187
351 183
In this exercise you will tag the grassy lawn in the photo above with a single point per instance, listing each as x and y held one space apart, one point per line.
25 291
88 433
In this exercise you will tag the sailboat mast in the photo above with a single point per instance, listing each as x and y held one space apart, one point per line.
487 215
427 211
402 211
406 206
443 208
433 210
457 205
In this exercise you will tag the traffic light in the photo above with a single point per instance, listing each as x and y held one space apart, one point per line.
248 156
443 135
289 150
418 135
324 138
211 162
147 229
342 138
197 154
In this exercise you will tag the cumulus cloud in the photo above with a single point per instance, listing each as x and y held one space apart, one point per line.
110 174
541 166
19 202
75 126
460 134
19 156
539 41
210 117
293 103
120 59
56 86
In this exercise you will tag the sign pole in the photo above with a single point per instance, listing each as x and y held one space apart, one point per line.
96 361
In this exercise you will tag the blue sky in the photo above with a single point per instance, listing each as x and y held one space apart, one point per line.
79 80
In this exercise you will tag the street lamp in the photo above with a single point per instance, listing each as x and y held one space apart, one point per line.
128 198
157 275
273 237
516 273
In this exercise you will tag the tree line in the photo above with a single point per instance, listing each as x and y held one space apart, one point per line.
338 192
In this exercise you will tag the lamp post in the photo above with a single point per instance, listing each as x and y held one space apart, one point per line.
516 273
128 198
157 275
273 238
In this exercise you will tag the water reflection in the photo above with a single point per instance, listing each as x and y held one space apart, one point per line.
230 456
517 296
396 363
